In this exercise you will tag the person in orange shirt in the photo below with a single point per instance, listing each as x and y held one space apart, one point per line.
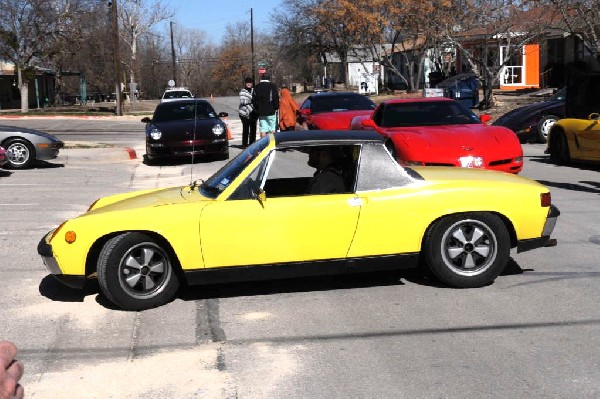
288 110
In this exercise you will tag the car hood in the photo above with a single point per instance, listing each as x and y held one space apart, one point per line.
14 129
187 129
455 137
336 120
147 199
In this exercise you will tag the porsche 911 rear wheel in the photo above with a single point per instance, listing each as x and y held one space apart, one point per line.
136 273
467 250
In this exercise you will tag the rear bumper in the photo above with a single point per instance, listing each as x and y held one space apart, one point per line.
544 240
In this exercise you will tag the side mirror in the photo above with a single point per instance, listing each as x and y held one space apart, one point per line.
305 111
223 114
485 118
146 119
594 116
368 122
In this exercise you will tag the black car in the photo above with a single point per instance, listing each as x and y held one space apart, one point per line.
184 128
532 122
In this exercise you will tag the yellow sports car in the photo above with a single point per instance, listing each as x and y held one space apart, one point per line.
296 204
575 139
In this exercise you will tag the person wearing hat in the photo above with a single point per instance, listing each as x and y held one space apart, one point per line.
247 114
266 103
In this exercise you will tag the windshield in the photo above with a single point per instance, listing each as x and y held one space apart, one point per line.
183 110
339 103
426 113
218 182
560 95
172 94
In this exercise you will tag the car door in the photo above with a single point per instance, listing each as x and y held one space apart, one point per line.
288 226
589 141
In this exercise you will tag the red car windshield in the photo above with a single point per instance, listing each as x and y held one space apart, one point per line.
424 114
340 103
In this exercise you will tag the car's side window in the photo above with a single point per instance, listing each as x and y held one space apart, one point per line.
379 171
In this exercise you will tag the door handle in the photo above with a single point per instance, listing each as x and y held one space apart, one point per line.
355 201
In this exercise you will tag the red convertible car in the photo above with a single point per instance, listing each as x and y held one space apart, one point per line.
334 110
442 132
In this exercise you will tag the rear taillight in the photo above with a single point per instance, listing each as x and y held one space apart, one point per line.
545 199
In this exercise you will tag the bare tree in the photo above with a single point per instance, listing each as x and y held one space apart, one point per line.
138 17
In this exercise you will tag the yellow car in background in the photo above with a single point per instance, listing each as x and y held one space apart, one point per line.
575 139
269 214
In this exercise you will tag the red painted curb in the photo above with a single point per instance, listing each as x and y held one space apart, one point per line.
131 152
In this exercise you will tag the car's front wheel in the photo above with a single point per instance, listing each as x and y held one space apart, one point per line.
467 250
20 154
135 272
559 148
544 126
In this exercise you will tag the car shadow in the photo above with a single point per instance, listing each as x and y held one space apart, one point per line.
181 161
52 289
47 165
583 186
574 164
302 284
5 173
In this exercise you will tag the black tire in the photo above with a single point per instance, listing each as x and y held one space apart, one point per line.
544 126
559 148
467 250
136 273
20 154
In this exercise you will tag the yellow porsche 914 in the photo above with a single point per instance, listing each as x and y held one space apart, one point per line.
296 204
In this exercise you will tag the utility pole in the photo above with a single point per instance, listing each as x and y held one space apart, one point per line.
173 56
252 41
116 55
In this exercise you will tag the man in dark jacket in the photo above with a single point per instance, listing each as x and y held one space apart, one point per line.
265 100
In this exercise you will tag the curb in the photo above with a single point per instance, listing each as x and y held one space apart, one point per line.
131 152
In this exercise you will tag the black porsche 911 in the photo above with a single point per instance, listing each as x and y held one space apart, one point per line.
185 128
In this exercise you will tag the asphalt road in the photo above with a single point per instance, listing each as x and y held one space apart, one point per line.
534 333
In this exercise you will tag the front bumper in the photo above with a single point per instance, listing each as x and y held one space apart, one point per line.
544 240
48 152
183 149
45 251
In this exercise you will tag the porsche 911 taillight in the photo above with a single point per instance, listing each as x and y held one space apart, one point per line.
545 199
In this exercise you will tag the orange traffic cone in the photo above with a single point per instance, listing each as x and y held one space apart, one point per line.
224 119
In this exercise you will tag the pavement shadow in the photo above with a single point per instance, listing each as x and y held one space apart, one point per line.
574 164
303 284
54 290
582 186
48 165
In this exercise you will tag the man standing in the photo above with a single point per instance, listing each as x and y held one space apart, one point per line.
266 103
247 114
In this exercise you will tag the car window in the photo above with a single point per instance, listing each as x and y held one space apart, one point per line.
339 103
379 171
426 113
293 171
173 94
176 110
218 182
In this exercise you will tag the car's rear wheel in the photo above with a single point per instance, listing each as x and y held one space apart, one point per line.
544 126
136 273
559 148
20 154
467 250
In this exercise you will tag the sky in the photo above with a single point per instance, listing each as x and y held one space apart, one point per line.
212 16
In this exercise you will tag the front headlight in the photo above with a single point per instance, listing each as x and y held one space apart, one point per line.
218 129
155 133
